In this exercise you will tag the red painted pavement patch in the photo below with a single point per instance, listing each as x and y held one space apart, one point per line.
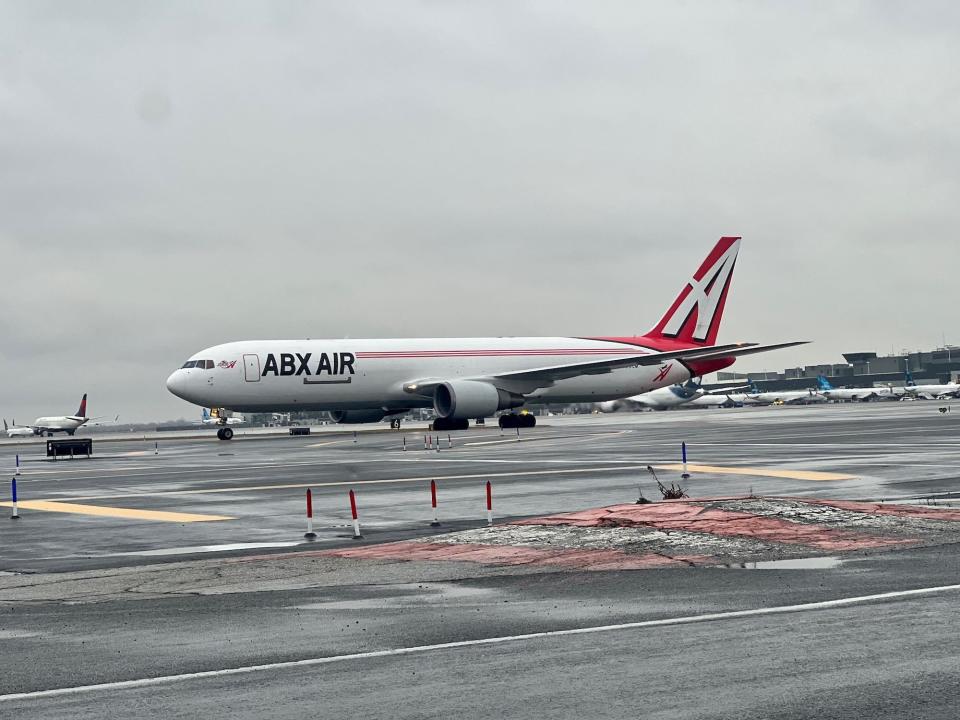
516 555
690 517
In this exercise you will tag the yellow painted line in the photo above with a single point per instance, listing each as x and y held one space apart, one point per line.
128 513
761 472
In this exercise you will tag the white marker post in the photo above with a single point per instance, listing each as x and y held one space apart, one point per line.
156 448
309 534
17 472
449 442
14 514
438 443
424 442
404 443
356 518
518 434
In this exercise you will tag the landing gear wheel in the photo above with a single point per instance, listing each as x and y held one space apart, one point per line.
512 420
225 433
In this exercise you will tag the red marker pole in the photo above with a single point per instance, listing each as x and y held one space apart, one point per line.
309 534
356 519
424 442
489 503
433 503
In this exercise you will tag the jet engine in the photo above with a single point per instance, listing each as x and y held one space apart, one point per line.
357 416
464 399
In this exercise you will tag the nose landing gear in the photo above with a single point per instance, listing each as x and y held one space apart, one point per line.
225 433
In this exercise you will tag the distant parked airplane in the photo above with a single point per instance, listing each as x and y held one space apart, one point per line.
861 394
931 391
17 430
215 417
67 423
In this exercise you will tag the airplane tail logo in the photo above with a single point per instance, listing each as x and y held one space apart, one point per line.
205 414
910 381
694 317
82 412
753 388
823 383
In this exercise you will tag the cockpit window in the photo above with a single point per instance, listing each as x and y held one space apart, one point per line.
209 364
189 364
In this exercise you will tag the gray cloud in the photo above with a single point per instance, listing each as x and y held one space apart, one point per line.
175 175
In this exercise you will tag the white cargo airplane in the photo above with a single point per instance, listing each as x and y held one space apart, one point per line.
17 430
363 381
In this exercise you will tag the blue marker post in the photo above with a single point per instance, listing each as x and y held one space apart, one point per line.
15 515
683 453
18 465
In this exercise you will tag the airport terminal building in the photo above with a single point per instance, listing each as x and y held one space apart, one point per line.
862 369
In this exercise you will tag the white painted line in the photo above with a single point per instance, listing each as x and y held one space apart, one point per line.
417 649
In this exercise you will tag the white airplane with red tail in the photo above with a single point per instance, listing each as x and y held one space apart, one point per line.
363 381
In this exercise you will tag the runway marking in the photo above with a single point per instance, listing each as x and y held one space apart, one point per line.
568 438
760 472
128 513
421 649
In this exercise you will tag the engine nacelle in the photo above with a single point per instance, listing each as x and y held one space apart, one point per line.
465 399
357 416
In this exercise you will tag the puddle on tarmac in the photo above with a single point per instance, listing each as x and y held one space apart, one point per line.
813 563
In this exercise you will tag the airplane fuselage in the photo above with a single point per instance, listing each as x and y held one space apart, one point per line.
291 375
67 424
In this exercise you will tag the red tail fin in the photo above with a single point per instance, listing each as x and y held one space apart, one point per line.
694 318
82 412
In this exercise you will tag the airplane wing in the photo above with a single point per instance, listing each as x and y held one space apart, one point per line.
98 421
726 391
526 381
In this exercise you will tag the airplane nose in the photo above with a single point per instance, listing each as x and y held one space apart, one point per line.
177 384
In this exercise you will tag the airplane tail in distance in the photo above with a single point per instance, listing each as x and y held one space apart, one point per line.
909 379
694 317
82 412
5 424
753 388
205 415
823 383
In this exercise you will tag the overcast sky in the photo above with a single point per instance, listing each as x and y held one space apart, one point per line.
175 175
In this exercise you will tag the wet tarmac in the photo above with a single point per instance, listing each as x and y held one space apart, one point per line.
139 565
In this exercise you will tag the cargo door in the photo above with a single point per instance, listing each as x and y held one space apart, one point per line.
251 368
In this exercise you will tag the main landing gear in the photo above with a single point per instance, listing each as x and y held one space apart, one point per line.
225 433
448 424
513 420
